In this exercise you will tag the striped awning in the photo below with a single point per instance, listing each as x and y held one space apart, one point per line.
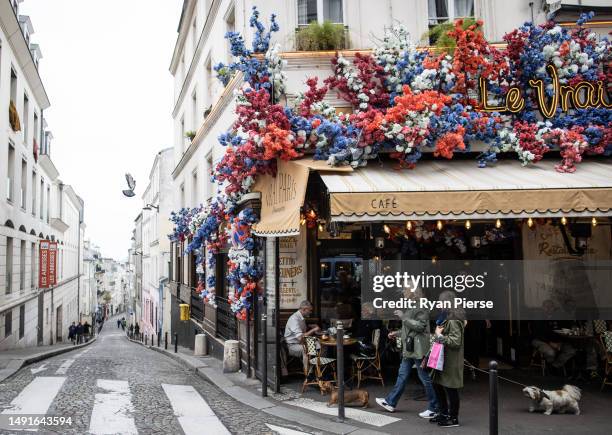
459 189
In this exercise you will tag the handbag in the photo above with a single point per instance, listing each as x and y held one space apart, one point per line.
436 357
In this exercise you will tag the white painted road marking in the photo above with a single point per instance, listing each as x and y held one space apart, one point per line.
367 417
64 367
41 368
285 430
192 411
112 410
37 396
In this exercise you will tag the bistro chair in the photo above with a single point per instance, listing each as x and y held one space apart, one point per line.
293 364
316 364
362 364
606 341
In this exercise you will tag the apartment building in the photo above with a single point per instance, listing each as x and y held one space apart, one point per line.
35 204
157 205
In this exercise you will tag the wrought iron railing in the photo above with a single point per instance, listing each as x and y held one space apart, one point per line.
227 326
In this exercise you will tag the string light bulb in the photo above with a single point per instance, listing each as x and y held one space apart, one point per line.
386 229
594 221
530 223
498 224
409 225
468 224
564 221
439 225
321 228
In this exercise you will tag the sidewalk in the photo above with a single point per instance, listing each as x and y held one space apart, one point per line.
310 409
13 360
248 391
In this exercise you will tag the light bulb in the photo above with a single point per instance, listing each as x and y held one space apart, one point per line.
530 222
468 224
434 259
563 221
439 225
594 221
321 228
409 225
387 229
498 223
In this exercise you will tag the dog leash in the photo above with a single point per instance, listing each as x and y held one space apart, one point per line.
470 366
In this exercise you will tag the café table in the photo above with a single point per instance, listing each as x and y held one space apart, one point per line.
331 343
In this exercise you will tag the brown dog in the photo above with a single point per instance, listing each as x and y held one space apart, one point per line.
357 397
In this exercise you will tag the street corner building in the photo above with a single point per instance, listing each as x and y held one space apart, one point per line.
42 284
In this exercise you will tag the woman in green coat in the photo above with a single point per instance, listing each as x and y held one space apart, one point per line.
450 327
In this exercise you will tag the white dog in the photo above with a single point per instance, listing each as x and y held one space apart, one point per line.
565 399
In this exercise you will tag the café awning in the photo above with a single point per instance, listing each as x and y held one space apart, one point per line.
460 190
282 196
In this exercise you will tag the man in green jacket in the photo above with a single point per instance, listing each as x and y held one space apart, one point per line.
415 340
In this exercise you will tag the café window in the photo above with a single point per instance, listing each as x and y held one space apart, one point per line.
325 270
320 10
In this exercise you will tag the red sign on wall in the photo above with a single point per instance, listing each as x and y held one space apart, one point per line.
53 263
47 275
43 264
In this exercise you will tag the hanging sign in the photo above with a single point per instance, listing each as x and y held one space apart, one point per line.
43 264
52 270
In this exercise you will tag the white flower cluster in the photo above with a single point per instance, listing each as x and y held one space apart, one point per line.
275 69
568 65
396 45
344 69
433 79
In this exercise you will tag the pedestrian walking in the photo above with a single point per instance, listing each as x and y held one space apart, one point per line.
414 337
86 330
79 333
123 323
449 332
137 330
72 332
131 330
118 323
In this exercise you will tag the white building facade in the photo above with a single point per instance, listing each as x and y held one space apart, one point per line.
35 204
157 206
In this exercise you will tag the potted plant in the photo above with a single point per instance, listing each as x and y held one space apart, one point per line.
190 135
317 37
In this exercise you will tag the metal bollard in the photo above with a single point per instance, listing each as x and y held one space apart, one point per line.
493 399
264 378
152 339
340 369
146 337
158 338
175 343
166 340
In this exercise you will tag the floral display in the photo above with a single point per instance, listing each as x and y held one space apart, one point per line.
405 101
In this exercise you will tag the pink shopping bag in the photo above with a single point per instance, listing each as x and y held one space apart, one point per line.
436 357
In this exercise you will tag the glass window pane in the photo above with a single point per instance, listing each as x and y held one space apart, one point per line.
332 11
438 11
464 8
325 270
307 11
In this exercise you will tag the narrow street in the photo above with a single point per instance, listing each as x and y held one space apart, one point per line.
115 386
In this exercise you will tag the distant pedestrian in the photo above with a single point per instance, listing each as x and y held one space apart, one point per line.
131 330
86 329
123 323
79 333
137 330
72 332
118 323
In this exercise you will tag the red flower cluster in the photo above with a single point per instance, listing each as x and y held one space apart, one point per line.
526 133
279 143
446 146
311 96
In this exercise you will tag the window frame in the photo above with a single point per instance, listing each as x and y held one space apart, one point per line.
320 17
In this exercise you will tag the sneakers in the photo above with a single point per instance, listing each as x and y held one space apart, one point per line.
382 402
427 414
436 418
448 422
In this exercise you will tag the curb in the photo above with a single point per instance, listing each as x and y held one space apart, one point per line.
270 406
42 356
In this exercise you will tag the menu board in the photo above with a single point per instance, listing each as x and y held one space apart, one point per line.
292 271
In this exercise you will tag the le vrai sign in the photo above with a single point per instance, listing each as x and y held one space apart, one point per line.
582 95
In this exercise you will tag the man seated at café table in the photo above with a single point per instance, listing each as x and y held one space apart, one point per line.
296 329
554 349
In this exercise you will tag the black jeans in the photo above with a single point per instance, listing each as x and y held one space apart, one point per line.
448 399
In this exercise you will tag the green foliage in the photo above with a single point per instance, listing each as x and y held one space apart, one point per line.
438 35
317 37
190 134
106 297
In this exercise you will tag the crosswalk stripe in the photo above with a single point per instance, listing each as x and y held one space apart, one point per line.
285 430
64 367
37 396
367 417
192 411
112 409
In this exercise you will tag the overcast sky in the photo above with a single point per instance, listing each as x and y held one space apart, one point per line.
105 68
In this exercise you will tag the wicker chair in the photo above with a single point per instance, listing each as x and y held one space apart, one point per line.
316 364
606 341
362 364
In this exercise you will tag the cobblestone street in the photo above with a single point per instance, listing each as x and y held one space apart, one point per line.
149 407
